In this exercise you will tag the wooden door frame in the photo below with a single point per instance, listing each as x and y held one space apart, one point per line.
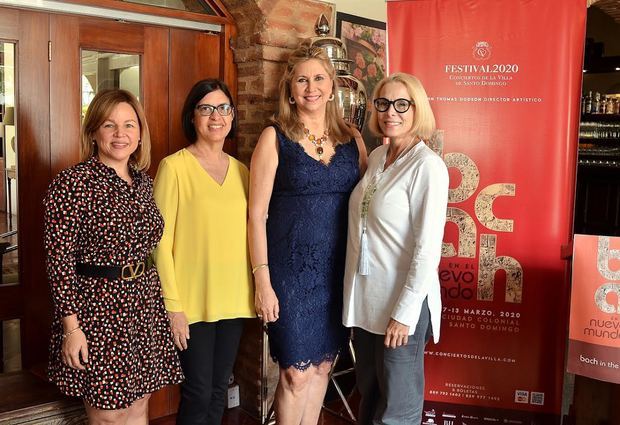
46 130
228 33
9 308
39 151
228 68
30 31
223 17
70 34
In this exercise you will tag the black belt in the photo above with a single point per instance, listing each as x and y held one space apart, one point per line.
127 272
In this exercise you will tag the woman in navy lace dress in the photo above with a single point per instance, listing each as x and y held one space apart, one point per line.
303 170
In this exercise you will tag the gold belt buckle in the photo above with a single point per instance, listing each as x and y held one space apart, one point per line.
132 271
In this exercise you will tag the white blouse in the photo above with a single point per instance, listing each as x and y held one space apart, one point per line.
404 230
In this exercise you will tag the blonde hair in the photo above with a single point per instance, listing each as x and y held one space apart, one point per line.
99 110
287 119
423 120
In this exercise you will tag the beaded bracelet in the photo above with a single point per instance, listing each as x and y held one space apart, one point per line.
260 266
68 334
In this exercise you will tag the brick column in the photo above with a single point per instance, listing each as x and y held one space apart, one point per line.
267 31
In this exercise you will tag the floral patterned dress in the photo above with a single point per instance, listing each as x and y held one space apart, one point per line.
93 216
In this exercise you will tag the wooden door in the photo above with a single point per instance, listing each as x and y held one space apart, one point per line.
29 32
196 57
70 35
48 62
171 60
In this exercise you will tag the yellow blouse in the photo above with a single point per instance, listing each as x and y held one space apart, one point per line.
203 258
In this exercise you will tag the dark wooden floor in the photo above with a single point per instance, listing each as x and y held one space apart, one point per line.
19 390
237 416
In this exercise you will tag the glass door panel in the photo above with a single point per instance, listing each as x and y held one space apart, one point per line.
105 70
10 350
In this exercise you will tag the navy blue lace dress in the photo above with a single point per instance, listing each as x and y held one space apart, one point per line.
306 239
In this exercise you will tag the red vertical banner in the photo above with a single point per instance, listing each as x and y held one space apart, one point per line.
504 80
594 332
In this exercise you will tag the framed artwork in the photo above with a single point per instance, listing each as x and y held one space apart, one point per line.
366 47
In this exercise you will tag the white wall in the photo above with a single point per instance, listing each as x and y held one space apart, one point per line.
371 9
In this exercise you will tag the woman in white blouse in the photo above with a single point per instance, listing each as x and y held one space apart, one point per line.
392 295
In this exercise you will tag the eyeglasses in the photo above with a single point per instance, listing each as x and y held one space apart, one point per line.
206 110
400 105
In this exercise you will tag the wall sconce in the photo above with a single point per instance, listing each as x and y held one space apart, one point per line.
9 116
9 119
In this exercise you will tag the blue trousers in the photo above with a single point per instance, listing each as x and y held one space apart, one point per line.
391 380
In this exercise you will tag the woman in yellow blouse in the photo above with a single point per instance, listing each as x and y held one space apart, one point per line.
202 257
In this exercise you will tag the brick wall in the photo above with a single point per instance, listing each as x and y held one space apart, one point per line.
267 31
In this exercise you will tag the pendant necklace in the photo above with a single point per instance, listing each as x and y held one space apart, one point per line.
318 143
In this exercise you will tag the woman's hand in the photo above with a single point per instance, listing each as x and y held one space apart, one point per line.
74 346
396 334
180 329
266 303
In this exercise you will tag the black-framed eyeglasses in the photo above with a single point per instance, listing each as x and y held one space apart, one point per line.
400 105
206 110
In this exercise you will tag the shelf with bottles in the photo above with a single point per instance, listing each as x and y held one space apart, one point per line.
599 158
600 118
599 140
603 148
595 103
599 130
608 163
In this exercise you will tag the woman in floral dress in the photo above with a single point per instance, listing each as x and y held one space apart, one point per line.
111 342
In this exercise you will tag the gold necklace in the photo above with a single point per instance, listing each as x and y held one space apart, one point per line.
318 143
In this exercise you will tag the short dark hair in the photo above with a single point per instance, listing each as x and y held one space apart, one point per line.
200 90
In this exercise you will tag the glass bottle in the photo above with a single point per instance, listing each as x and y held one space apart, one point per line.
596 103
589 103
610 105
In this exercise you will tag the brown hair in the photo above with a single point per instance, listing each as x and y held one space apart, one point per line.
287 119
99 110
423 120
